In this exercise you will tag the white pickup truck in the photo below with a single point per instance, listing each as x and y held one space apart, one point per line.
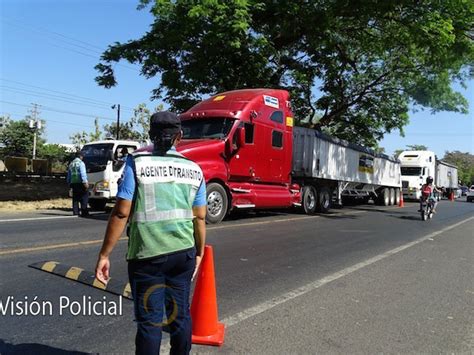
104 165
470 194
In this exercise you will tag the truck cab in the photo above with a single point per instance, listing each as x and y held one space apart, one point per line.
243 142
416 166
105 162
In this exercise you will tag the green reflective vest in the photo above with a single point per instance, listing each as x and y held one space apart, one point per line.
75 169
162 219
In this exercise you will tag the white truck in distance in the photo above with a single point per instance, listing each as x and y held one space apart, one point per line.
417 165
105 161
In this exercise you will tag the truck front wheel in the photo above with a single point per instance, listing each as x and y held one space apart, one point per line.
217 203
309 199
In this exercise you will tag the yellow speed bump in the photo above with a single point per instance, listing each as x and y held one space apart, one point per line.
85 277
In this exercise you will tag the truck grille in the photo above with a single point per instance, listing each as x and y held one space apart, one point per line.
405 184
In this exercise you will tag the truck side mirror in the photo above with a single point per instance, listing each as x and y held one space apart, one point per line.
240 137
233 144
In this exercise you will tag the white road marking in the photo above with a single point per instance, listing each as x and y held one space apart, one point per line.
267 305
34 218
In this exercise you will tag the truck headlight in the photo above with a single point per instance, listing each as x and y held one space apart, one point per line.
102 185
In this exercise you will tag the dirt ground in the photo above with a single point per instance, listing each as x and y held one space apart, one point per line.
32 189
27 193
55 204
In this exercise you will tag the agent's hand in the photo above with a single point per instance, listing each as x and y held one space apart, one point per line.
86 185
102 270
196 269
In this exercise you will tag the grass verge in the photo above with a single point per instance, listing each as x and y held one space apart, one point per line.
57 203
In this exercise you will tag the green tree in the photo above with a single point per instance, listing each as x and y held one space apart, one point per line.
417 147
136 128
16 138
368 60
96 135
397 152
464 163
57 156
127 131
81 138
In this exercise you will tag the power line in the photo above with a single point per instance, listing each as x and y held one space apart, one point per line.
46 33
22 116
47 108
13 113
53 97
86 99
68 123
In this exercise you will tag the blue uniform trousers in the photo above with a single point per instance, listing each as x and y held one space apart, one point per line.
158 283
80 195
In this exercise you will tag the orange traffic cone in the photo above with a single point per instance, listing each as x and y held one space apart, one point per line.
451 196
402 203
206 328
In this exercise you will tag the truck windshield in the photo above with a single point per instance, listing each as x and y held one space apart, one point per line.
410 171
206 128
96 156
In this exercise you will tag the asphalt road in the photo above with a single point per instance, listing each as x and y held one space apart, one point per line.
359 280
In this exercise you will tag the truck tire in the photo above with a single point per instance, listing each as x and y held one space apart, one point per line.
392 197
97 204
324 200
217 203
384 197
310 199
397 197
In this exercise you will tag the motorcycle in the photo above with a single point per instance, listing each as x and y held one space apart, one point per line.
427 206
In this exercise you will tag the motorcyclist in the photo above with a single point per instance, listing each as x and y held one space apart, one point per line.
427 194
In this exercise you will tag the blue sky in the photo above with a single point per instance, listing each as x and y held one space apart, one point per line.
50 47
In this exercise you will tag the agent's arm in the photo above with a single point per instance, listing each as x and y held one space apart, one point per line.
82 170
117 223
199 222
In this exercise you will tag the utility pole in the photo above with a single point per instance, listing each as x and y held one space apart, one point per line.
35 124
118 120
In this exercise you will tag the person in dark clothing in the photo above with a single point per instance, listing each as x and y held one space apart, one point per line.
77 180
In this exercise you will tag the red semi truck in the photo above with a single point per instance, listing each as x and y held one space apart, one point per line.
253 158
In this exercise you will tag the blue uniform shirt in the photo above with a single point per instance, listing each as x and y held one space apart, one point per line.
126 188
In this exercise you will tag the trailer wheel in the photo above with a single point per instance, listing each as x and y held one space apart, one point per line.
384 197
309 199
324 200
97 204
217 203
392 197
397 197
